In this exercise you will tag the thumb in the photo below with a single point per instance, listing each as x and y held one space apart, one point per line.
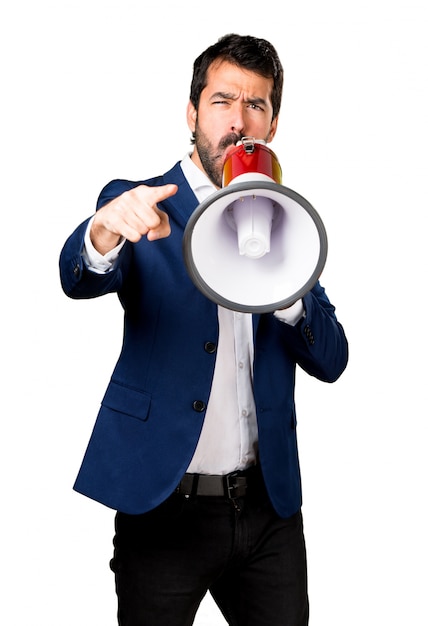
158 194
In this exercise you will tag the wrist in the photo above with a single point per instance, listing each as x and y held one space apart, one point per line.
101 238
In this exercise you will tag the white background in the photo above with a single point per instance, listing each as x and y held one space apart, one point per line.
94 90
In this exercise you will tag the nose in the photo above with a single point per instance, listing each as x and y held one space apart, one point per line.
238 129
237 122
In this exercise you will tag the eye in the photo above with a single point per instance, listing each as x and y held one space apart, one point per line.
220 102
255 107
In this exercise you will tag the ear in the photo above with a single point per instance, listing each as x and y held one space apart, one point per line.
192 114
272 131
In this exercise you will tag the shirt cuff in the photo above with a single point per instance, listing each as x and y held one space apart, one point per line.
95 261
291 315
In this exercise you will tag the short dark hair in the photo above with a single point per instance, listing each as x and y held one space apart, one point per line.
251 53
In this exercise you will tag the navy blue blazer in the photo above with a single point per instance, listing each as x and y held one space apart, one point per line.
152 412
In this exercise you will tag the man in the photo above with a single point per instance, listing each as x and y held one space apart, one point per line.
195 442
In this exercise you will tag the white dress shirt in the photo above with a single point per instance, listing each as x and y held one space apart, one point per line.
228 440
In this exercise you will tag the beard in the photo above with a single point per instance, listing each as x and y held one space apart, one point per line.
212 156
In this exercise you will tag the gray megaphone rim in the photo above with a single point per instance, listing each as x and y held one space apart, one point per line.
253 186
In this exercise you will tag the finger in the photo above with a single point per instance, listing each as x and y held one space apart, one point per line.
157 194
135 213
162 230
155 220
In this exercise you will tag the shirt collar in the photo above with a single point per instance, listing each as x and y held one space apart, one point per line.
201 185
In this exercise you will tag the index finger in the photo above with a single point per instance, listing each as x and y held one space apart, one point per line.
162 192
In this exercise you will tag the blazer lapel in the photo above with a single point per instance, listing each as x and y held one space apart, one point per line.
184 202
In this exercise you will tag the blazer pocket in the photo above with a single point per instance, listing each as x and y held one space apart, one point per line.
127 400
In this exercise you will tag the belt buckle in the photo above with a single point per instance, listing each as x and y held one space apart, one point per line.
236 485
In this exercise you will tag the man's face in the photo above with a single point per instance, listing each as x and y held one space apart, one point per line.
234 104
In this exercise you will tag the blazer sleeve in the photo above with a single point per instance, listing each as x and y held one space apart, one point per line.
76 279
318 343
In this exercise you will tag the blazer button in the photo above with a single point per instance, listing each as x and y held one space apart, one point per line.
199 406
76 271
210 347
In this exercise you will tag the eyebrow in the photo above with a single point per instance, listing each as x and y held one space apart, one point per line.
230 96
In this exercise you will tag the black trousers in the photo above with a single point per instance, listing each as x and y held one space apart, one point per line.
252 562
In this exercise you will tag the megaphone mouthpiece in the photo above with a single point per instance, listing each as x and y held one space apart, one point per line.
251 157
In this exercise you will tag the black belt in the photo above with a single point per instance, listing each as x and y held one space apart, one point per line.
233 485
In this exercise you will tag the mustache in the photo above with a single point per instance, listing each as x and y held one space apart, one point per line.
230 139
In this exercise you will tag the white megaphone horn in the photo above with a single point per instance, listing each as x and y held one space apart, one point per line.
254 246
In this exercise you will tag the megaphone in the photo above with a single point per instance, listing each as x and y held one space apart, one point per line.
254 246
